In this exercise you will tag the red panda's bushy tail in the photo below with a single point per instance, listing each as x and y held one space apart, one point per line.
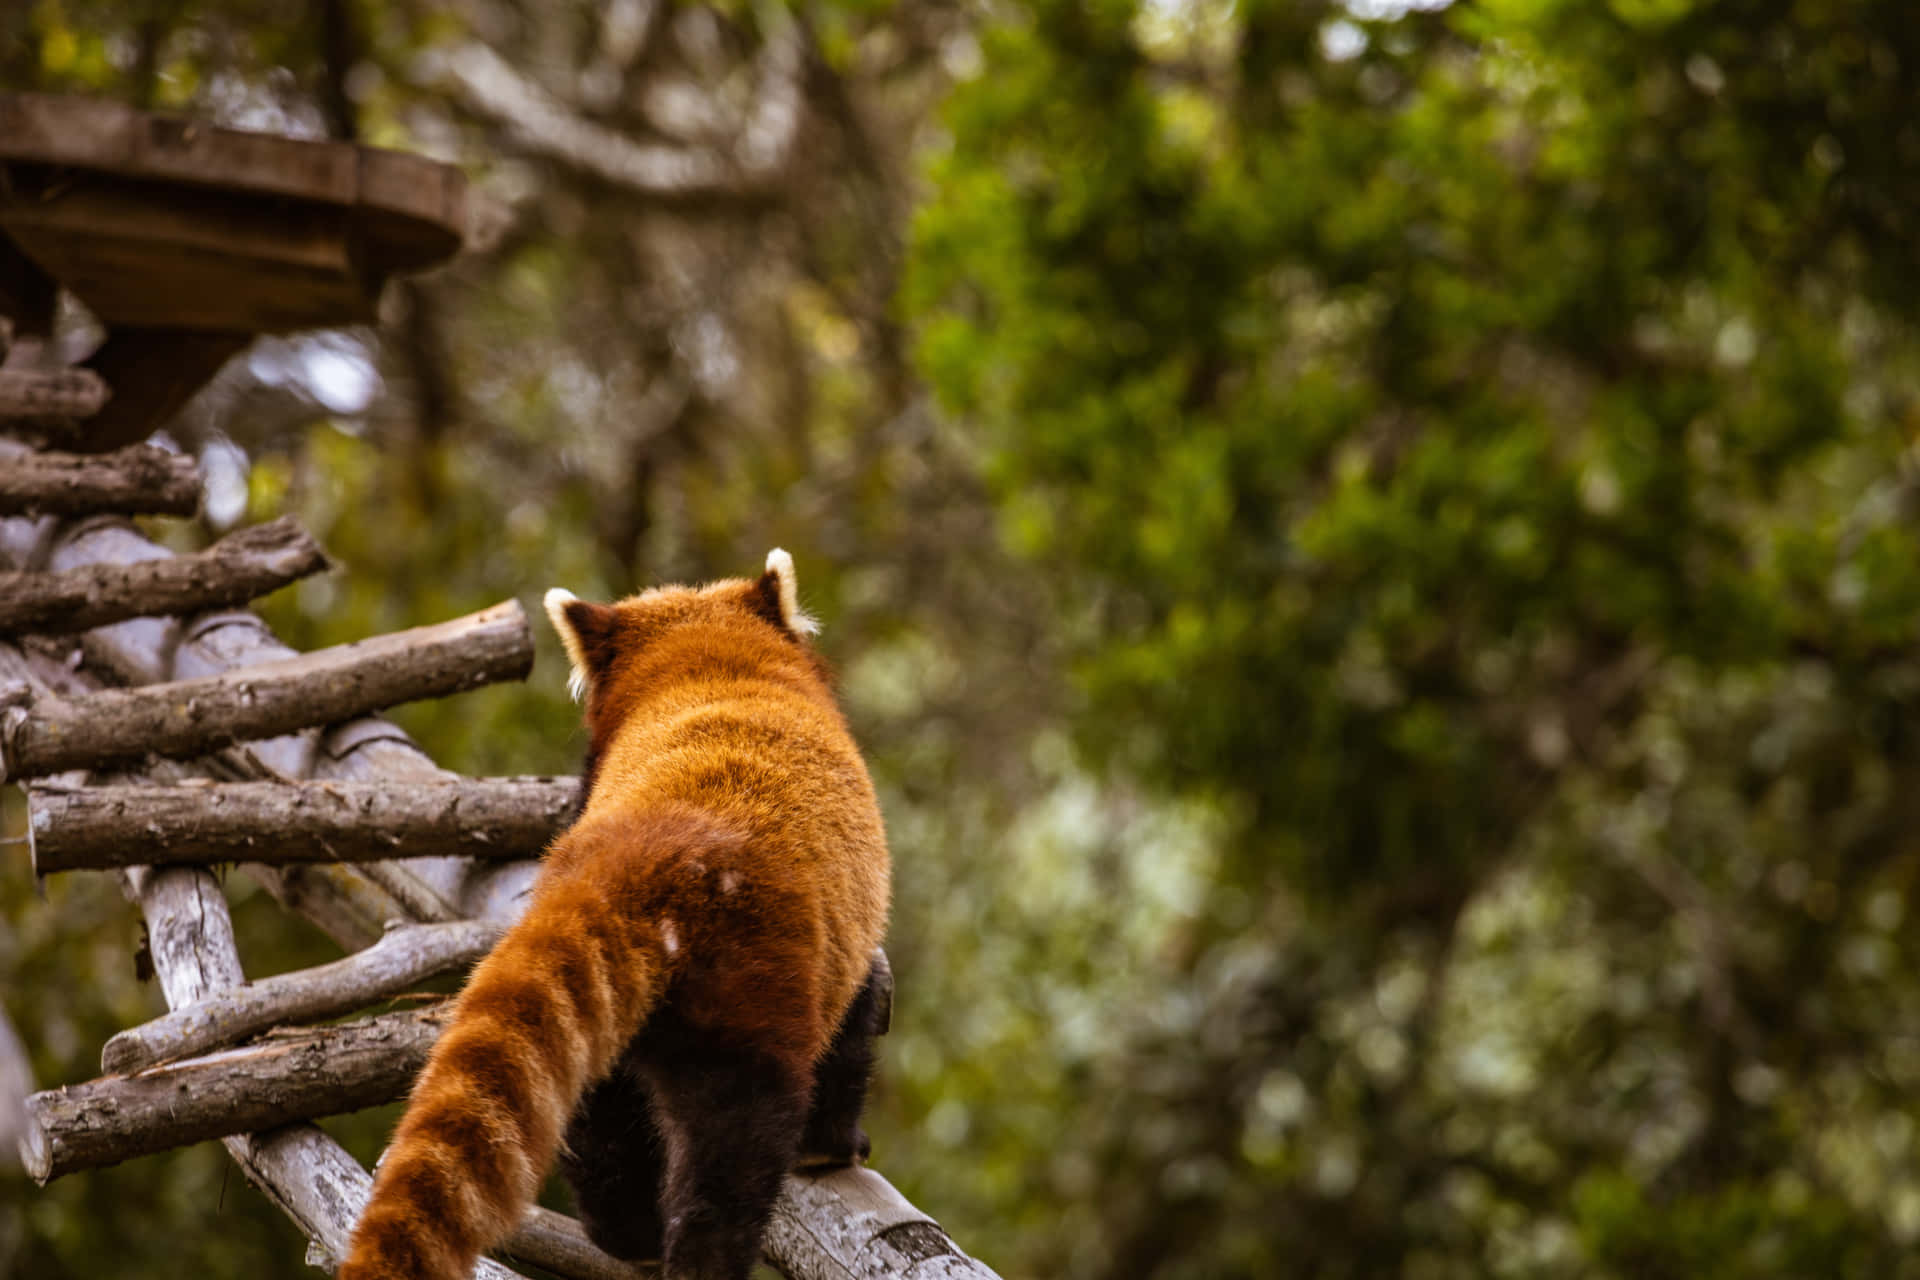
543 1017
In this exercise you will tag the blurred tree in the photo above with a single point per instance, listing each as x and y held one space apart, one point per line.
1475 448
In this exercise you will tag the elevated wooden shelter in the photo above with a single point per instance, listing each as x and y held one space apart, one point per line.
160 730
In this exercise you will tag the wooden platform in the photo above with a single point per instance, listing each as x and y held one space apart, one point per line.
186 239
164 223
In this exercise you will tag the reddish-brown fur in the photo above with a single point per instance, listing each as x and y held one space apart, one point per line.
729 862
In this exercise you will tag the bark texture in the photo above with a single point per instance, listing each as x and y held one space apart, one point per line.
559 1243
236 569
193 717
408 954
143 479
51 393
274 823
852 1225
295 1076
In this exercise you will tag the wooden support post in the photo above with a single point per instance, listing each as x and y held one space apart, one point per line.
405 956
192 717
315 1072
140 479
232 571
277 823
155 372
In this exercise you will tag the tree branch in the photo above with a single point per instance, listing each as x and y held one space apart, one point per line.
51 393
494 88
852 1225
246 564
142 478
190 717
406 955
559 1243
275 823
321 1188
298 1076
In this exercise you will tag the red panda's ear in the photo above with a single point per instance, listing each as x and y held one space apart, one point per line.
776 596
586 630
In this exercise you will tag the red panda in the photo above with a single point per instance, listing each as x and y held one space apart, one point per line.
687 1009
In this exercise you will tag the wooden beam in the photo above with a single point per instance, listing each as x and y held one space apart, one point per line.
141 479
277 823
192 717
241 566
407 954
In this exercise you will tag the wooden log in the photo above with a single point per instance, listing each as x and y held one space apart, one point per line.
318 1185
314 1072
276 823
140 479
559 1244
51 393
241 566
406 955
343 901
192 717
852 1225
313 1180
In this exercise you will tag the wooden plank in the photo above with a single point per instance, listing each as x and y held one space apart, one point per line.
107 136
145 256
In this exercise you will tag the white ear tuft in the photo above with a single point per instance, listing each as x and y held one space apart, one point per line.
557 601
797 620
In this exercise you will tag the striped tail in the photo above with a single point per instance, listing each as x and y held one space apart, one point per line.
544 1017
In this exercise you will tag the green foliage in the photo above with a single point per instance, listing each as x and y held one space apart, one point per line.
1415 408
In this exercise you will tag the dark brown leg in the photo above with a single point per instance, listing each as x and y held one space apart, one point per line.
613 1159
731 1120
833 1136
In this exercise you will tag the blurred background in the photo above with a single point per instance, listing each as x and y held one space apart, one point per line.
1371 545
